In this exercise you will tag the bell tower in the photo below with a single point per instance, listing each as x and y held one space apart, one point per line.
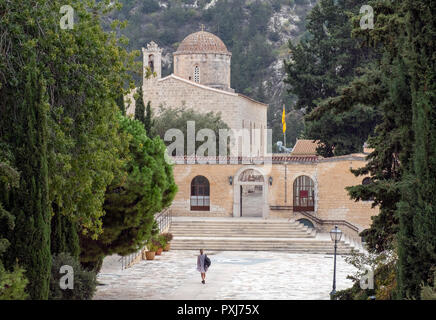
152 56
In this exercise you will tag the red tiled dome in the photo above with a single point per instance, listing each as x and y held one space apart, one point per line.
202 42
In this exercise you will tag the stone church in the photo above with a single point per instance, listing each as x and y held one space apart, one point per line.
201 81
299 185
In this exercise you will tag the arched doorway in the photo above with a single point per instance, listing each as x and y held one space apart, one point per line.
250 190
304 194
200 194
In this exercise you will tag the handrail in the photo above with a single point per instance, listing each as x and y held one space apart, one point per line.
318 220
164 219
330 221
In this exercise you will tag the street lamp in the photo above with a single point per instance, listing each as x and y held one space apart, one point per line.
335 235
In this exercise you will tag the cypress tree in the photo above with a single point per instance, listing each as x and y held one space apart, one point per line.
139 106
148 122
417 210
30 240
64 236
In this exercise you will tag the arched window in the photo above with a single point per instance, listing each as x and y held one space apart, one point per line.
200 193
304 194
197 74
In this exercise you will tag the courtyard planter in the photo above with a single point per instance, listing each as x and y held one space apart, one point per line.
167 247
149 255
159 251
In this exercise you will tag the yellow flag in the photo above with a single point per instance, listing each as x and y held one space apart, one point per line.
284 120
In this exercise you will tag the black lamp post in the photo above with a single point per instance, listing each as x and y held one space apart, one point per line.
335 235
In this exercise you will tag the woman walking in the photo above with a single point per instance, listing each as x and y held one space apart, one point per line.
203 264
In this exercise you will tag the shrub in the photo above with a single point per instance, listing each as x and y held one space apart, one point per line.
152 245
84 281
168 236
13 284
162 241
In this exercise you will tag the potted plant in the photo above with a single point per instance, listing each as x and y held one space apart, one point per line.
152 248
168 237
160 242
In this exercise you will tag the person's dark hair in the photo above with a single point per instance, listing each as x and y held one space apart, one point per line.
201 251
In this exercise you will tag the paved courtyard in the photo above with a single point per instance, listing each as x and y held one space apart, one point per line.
232 275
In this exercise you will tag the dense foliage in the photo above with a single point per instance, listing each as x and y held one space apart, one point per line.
400 82
60 91
144 186
13 282
170 118
319 66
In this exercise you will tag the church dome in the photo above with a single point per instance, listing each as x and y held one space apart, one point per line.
202 42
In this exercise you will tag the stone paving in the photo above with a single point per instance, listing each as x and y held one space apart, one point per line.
233 275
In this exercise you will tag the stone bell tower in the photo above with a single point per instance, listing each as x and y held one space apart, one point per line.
153 59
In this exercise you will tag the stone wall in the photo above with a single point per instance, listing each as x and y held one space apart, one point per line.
330 178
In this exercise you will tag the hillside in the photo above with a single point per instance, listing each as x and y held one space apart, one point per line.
256 32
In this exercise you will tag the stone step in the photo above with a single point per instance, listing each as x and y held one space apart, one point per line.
318 250
249 224
236 228
243 235
251 235
224 243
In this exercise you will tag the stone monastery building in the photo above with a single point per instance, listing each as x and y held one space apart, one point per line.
299 185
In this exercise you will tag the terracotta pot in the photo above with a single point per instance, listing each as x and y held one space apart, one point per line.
159 251
167 247
149 255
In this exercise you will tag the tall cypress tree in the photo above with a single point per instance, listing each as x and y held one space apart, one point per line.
417 210
30 240
139 106
148 122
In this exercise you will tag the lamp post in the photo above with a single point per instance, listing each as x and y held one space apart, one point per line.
335 235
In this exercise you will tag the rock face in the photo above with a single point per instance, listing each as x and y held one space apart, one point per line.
288 24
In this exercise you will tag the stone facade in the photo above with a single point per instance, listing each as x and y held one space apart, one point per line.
330 177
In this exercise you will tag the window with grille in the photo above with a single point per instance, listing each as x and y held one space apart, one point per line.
304 194
200 194
197 74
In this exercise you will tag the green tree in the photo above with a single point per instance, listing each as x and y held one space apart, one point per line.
401 84
319 66
417 209
144 187
177 118
30 238
13 282
139 106
148 121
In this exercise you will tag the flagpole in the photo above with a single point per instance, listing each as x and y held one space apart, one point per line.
284 133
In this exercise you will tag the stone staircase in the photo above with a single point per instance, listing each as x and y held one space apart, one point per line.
233 234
